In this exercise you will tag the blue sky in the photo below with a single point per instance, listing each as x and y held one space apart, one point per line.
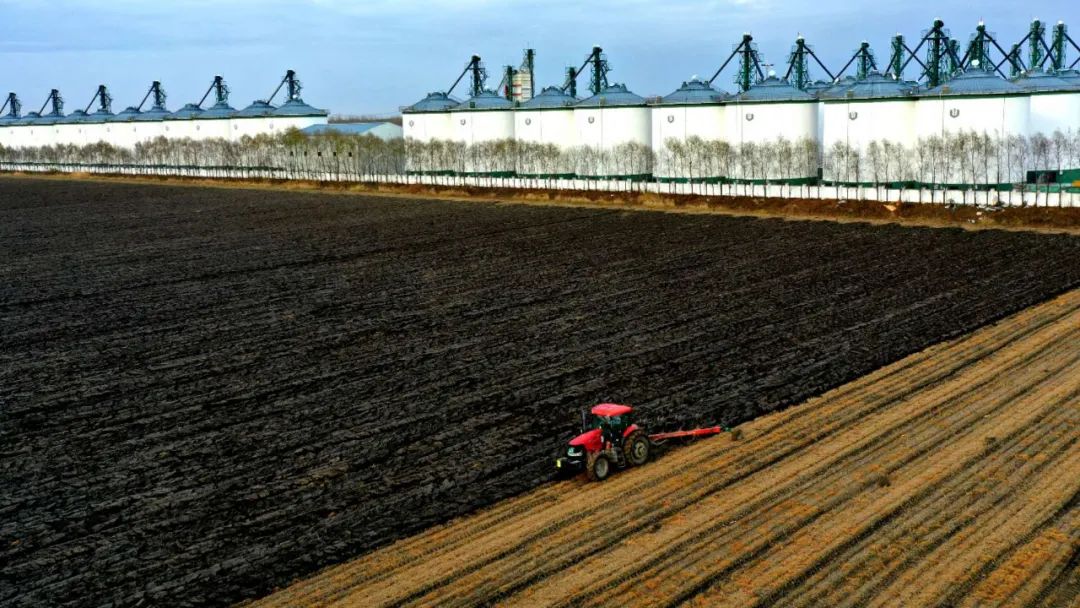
376 55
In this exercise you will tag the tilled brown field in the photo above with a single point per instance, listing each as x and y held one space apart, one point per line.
949 478
206 393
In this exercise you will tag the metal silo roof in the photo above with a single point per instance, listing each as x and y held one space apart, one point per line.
1072 76
772 89
550 97
485 100
694 92
28 119
434 102
877 86
613 96
257 109
77 116
153 114
1042 82
297 107
973 82
99 117
49 119
218 110
836 90
815 88
129 114
187 112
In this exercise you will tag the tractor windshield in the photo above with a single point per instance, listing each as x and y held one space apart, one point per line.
612 422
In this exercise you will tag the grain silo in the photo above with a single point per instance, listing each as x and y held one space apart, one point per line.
484 118
9 114
547 118
47 129
43 130
770 110
150 124
71 129
614 118
181 123
294 113
876 108
89 128
1055 103
213 122
694 110
975 101
429 119
545 125
251 121
96 126
123 131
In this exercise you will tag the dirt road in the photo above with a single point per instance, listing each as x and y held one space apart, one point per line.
951 477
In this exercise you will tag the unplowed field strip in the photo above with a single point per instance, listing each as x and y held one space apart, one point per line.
206 394
951 477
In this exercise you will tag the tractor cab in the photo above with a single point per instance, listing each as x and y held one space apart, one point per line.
607 416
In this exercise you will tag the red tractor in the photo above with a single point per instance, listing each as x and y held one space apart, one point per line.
609 438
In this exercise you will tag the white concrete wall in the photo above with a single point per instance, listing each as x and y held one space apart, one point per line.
555 126
679 123
605 129
7 136
36 135
211 128
124 134
859 123
608 128
69 134
250 127
707 122
994 116
427 126
127 134
478 126
767 122
179 128
1055 112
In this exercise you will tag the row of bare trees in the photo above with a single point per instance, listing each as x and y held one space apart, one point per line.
968 159
508 156
291 154
971 159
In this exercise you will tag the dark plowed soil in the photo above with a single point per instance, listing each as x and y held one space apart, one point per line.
207 393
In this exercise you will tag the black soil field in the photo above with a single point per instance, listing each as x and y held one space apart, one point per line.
206 393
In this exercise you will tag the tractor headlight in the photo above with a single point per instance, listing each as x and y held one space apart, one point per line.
573 451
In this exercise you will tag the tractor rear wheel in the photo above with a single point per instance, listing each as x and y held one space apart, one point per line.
598 467
636 449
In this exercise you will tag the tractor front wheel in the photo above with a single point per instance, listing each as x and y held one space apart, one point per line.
637 449
598 467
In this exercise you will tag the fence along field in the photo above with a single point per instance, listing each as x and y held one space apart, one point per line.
208 393
951 477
